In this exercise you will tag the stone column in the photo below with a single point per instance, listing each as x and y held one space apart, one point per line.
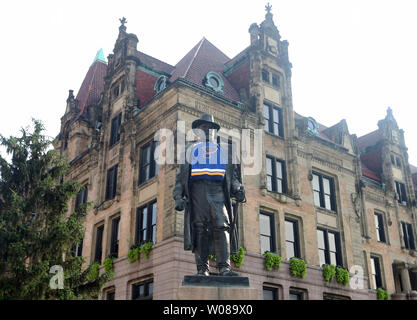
405 279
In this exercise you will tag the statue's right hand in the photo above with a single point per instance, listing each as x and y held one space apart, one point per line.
179 204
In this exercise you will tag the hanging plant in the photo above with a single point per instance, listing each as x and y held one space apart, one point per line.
238 258
133 254
382 294
93 271
298 267
329 271
272 261
146 249
109 266
342 276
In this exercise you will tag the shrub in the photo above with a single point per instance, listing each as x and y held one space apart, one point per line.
238 258
109 267
329 272
146 249
93 271
342 276
272 260
382 294
298 267
133 254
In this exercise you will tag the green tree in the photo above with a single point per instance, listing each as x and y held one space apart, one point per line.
36 231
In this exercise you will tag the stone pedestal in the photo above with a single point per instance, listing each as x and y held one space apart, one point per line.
216 288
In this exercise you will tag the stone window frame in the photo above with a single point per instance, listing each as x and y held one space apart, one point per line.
150 227
106 291
146 282
118 86
273 230
111 176
115 125
409 244
299 291
381 272
297 235
401 191
114 244
384 226
153 165
333 194
275 288
338 246
270 121
94 252
274 175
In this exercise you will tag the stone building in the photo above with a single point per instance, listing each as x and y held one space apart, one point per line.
323 195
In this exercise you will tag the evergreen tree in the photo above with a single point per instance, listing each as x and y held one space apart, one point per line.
36 229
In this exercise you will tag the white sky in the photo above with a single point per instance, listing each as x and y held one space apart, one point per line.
351 58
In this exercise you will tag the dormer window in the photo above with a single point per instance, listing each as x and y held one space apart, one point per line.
160 84
312 126
214 81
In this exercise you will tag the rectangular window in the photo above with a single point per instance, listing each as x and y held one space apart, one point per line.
296 294
99 244
111 185
148 166
379 225
324 192
376 278
115 237
146 223
398 162
270 293
402 195
116 123
329 247
266 232
275 81
81 197
292 241
408 235
110 295
276 175
142 291
265 76
273 120
77 250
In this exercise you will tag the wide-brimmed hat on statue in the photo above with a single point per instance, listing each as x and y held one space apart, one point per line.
205 118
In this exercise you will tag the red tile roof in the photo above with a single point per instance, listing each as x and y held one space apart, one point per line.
154 63
203 58
92 86
369 139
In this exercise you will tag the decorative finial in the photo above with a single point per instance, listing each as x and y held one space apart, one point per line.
123 21
268 8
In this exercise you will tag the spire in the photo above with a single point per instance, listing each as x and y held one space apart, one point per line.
100 56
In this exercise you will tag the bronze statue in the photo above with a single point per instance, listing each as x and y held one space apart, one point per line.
204 187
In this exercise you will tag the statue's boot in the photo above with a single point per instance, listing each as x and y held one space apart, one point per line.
222 249
201 253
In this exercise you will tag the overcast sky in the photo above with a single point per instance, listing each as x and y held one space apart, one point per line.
351 59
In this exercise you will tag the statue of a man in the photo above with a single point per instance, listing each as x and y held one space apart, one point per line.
204 187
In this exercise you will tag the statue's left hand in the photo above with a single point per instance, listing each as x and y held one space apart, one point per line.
239 194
